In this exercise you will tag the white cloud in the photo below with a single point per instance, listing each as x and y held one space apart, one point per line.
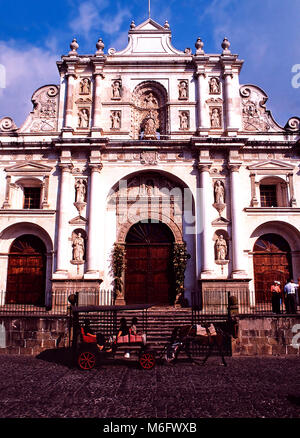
27 69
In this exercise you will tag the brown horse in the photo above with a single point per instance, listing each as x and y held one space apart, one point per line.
185 337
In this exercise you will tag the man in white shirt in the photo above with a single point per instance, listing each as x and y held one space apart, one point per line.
290 296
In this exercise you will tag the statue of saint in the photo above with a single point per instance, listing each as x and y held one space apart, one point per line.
214 86
78 248
221 248
85 86
84 118
150 101
150 129
183 90
115 120
116 89
215 118
80 191
184 120
219 193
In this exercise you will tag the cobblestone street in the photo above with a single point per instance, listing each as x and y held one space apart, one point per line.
46 387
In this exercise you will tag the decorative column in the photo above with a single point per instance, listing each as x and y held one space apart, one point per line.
62 256
254 201
236 223
98 76
231 67
69 100
95 218
293 201
203 124
205 194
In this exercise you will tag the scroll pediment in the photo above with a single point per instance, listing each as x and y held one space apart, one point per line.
28 167
150 25
78 220
271 166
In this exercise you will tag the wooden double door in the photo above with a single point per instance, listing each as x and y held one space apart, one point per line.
149 276
272 261
26 272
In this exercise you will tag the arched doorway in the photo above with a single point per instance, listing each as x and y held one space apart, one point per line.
272 261
149 274
26 271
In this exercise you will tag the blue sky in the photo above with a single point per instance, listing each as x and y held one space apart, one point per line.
265 34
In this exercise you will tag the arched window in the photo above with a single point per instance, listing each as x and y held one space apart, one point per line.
273 192
28 193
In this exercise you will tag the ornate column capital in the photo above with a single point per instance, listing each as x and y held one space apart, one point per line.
96 167
204 167
234 167
66 167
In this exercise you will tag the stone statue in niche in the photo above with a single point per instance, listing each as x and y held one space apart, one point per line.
215 118
184 120
150 129
116 90
78 248
115 119
83 118
80 188
219 193
221 248
183 90
214 86
85 86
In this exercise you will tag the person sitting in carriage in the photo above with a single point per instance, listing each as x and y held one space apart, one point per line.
89 335
135 335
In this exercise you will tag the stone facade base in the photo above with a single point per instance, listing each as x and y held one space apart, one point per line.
214 294
272 335
32 335
89 292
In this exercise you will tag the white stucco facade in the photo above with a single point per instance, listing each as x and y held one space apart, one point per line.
150 117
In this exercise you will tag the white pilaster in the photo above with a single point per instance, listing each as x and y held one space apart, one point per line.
63 211
69 101
96 216
236 224
203 116
205 204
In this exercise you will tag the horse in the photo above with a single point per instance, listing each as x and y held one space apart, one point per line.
214 334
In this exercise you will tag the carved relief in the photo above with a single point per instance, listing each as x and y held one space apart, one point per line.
43 118
214 86
7 124
183 90
115 119
255 115
184 117
149 111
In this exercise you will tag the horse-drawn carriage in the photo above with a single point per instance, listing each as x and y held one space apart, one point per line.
98 333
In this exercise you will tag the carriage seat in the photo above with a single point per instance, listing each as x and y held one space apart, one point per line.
131 339
89 339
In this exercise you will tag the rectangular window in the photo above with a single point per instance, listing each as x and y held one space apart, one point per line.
268 196
32 197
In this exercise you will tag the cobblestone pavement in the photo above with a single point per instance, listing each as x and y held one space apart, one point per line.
47 387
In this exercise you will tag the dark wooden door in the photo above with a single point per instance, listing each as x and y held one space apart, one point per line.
272 261
26 271
149 274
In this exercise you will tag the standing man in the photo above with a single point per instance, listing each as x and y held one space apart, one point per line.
290 296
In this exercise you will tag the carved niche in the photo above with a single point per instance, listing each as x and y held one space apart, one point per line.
149 111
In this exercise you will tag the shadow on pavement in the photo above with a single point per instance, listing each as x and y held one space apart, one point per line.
60 356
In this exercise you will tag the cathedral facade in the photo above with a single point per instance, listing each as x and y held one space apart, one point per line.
151 173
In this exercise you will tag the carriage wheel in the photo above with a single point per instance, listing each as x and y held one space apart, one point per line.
147 360
86 360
